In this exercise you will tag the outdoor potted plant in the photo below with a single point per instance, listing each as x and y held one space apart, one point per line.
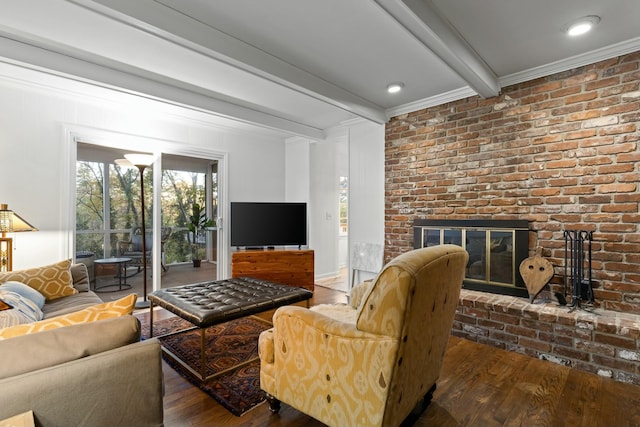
198 222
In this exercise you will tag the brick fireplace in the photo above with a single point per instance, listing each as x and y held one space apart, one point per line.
560 152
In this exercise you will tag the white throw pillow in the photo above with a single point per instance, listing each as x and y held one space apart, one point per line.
24 310
24 290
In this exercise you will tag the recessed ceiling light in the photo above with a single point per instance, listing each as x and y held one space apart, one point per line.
395 87
581 25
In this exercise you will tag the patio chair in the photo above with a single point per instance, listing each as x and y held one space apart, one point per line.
132 248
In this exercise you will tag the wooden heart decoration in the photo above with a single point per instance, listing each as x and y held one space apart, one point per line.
536 272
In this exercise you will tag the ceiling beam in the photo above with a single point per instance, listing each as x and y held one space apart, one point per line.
120 78
424 21
159 20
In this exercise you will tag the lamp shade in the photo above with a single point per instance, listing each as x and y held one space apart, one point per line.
11 222
124 163
139 159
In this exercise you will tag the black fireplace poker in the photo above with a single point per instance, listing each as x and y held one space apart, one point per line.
574 267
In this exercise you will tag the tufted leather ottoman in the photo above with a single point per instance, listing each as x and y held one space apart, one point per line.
208 303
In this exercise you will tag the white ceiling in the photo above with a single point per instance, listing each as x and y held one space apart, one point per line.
299 67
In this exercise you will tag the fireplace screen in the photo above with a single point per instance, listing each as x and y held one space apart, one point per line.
496 248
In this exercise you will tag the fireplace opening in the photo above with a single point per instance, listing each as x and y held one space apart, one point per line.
496 248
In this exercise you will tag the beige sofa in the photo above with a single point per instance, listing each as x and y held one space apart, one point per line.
88 374
83 299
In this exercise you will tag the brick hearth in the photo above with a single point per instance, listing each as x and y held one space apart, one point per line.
606 343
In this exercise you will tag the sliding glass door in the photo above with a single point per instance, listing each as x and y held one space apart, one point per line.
190 207
108 213
108 202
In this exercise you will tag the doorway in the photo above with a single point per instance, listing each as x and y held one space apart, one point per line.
189 200
107 212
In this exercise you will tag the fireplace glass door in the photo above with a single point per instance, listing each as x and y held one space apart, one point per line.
495 249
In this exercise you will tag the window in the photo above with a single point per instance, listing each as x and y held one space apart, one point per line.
90 208
107 202
108 206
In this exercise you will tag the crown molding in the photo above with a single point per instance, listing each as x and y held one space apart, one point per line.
298 140
127 80
619 49
158 20
432 101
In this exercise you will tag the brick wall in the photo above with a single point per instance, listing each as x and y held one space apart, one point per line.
560 151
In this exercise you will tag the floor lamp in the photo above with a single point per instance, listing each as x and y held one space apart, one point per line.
141 161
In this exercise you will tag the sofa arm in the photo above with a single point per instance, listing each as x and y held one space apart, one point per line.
119 387
80 276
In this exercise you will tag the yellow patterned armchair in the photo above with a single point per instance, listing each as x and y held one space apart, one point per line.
370 362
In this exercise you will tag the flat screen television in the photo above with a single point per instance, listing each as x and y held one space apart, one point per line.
267 224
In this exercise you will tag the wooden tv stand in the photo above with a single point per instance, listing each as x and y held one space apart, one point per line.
289 267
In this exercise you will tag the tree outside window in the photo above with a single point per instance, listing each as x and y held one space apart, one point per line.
101 221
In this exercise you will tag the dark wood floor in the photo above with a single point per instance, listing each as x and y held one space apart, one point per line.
479 386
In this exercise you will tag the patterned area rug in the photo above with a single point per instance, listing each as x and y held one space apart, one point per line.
228 344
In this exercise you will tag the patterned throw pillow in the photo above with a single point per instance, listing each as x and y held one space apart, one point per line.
53 281
24 310
107 310
25 292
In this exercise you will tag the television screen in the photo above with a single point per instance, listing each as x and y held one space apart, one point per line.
259 224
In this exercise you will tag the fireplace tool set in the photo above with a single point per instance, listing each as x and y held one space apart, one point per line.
577 254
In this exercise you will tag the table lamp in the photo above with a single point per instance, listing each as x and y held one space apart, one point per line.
10 222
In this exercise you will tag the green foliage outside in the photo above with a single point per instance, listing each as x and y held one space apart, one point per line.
198 223
180 191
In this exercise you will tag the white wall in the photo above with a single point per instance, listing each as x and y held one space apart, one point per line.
323 215
37 120
366 186
297 155
356 150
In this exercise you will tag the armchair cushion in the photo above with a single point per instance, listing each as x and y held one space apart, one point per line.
358 292
342 312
